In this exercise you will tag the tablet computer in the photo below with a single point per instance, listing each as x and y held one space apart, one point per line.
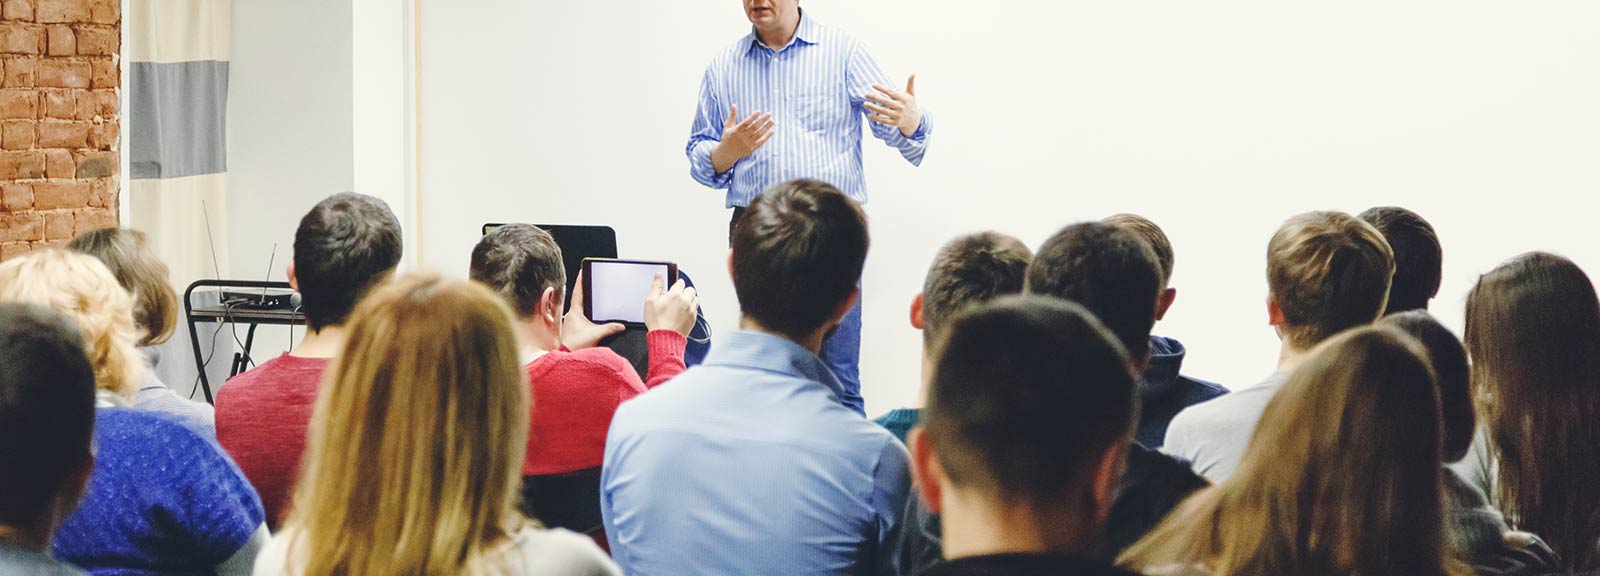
615 290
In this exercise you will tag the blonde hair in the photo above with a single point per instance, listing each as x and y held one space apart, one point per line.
1341 478
414 458
1328 272
127 253
82 288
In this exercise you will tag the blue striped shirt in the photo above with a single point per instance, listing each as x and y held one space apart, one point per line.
814 88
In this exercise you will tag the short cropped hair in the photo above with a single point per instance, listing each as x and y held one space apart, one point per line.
1328 272
1152 235
127 253
968 271
519 261
1108 270
344 246
1418 258
798 252
1027 395
1449 360
47 392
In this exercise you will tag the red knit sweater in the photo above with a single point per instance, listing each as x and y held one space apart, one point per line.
576 393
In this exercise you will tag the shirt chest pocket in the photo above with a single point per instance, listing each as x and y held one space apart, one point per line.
817 109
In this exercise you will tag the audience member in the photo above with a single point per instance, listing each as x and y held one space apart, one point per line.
46 426
967 271
578 390
163 498
1327 272
1030 409
344 246
1477 531
1533 333
127 253
1341 477
1418 260
416 446
751 463
1164 390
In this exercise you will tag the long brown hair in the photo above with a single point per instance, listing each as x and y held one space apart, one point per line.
1341 477
416 445
128 255
1533 331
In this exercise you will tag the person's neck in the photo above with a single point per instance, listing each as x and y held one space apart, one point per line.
36 539
985 527
812 342
324 343
778 37
534 340
1290 357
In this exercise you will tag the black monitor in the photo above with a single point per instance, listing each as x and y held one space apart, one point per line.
577 243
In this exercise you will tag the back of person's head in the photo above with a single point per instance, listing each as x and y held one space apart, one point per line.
522 263
1449 361
1031 402
46 416
1108 270
969 271
344 246
1152 235
414 458
798 252
1342 475
82 288
1327 272
1418 259
127 253
1533 332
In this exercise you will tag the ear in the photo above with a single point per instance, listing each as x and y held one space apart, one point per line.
916 312
294 283
1107 475
730 263
1274 313
550 307
925 470
1164 302
1435 293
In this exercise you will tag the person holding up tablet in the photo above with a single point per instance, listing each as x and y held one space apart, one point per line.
804 88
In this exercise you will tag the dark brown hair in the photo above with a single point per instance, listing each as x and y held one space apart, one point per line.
1342 476
1449 361
1533 331
1418 259
1027 395
344 246
1108 270
47 390
1152 236
798 252
519 261
128 255
968 271
1328 272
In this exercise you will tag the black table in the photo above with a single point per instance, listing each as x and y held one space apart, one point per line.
232 314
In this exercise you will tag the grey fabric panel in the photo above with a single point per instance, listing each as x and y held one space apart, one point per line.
177 118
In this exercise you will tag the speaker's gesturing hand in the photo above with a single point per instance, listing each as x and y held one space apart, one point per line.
740 138
577 332
674 310
895 108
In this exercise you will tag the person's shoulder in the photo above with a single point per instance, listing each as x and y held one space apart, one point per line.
273 374
559 551
1199 390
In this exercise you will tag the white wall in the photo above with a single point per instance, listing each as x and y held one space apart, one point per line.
1216 119
290 131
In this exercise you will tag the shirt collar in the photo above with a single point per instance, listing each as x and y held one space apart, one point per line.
805 33
773 354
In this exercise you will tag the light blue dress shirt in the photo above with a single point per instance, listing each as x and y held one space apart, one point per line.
814 88
748 464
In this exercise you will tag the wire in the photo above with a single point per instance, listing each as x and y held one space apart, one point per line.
207 363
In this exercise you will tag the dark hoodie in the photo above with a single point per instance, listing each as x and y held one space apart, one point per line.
1165 392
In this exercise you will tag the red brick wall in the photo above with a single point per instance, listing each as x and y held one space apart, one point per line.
59 76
